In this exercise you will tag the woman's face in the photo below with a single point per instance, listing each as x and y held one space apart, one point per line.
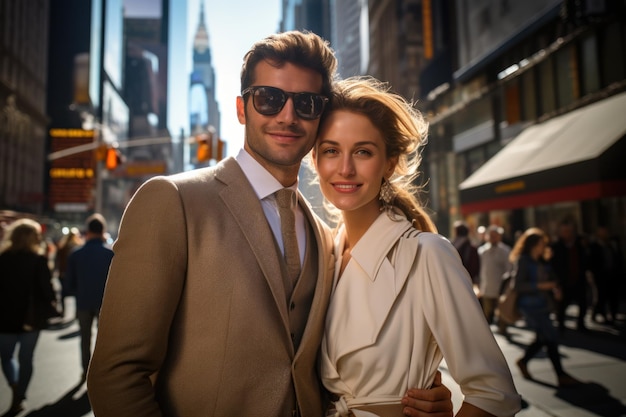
351 161
538 250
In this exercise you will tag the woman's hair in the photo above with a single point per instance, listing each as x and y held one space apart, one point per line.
23 235
403 129
304 49
526 242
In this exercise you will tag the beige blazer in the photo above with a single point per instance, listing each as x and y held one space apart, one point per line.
194 320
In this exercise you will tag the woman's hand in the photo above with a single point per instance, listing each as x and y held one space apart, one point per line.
436 401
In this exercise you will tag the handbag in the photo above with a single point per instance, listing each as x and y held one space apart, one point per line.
507 305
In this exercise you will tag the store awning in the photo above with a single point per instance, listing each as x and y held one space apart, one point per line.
577 156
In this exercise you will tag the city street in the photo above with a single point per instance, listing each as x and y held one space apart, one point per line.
596 358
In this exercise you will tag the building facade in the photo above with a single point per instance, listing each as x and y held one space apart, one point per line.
23 92
526 131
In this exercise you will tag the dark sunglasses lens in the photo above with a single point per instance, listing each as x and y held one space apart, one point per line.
268 100
308 106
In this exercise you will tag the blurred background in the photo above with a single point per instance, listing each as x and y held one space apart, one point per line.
525 100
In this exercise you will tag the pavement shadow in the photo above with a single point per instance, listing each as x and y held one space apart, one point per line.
602 339
596 339
589 396
66 406
70 335
593 397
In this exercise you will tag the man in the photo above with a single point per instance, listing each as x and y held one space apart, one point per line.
86 275
570 263
467 250
606 263
494 267
200 317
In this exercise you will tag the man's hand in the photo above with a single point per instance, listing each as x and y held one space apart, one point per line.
436 401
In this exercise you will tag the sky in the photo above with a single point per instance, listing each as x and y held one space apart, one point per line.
233 26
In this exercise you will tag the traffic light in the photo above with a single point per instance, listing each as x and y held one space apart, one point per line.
113 158
220 150
204 152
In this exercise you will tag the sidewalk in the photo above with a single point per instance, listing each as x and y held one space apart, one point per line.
55 389
597 358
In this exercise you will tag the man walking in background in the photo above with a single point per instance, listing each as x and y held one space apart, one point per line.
87 269
494 268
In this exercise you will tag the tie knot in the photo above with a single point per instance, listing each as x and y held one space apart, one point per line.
285 197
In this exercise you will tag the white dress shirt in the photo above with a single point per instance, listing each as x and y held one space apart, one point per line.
265 185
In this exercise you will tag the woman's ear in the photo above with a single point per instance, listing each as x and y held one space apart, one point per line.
391 166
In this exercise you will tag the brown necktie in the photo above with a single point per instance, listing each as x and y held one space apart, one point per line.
285 198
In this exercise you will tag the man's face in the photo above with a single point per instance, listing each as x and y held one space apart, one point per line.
280 141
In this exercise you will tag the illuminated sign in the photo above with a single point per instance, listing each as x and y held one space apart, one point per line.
71 173
510 186
72 177
71 133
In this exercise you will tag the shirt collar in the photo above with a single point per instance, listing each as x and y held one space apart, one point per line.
263 183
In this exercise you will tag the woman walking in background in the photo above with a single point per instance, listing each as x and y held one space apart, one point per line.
27 300
535 286
66 245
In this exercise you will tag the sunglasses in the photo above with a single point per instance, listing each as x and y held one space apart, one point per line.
271 100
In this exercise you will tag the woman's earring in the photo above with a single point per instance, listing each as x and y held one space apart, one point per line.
387 195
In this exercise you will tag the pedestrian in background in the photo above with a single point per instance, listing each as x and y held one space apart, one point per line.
27 301
495 266
536 285
570 263
86 274
467 251
607 267
65 246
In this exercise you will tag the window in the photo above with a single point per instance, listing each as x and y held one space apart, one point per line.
567 75
589 65
529 96
612 54
546 82
512 111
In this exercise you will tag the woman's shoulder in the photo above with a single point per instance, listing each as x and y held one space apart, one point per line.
429 244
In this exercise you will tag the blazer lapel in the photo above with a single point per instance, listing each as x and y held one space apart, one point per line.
360 306
245 207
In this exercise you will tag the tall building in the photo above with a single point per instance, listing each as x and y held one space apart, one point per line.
147 76
204 113
311 15
85 106
203 108
350 36
23 92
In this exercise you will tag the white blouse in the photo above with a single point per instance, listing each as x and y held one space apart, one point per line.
405 302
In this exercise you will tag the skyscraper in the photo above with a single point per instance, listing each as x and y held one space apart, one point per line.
203 108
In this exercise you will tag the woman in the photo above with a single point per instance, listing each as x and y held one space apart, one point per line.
66 245
402 300
535 288
26 300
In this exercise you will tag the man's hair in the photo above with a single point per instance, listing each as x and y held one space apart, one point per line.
460 228
96 224
304 49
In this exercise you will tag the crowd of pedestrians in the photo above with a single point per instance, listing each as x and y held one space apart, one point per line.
29 300
548 275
